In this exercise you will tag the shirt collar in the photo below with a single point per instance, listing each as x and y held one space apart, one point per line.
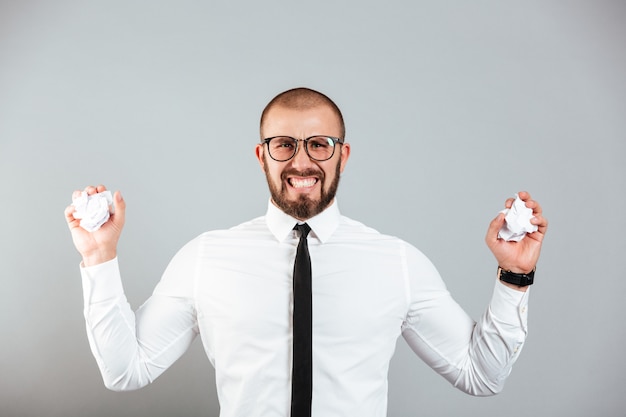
322 225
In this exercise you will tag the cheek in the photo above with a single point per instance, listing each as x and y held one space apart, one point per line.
274 173
271 171
331 172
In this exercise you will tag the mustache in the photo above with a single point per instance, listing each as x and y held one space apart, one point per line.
306 173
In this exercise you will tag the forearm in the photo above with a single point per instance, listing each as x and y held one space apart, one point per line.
131 350
496 342
475 357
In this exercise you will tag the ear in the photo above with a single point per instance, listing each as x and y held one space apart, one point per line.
345 154
260 152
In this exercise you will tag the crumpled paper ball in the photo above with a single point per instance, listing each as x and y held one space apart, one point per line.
92 210
517 221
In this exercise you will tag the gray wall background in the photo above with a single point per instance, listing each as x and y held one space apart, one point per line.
450 107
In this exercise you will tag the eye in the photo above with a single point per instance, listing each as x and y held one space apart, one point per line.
283 143
320 142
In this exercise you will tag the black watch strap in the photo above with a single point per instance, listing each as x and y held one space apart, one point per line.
516 279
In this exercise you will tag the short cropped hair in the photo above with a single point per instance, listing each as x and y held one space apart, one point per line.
303 98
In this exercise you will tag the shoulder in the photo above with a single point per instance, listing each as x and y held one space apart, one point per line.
182 268
352 230
245 234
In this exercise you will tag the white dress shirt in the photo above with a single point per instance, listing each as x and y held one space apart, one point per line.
234 288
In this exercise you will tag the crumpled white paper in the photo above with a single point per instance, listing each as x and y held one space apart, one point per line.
92 210
517 221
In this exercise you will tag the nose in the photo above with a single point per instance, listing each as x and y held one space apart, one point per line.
301 159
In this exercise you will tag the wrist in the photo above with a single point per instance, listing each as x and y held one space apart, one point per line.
516 279
98 258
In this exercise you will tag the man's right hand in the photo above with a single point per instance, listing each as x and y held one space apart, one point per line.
101 245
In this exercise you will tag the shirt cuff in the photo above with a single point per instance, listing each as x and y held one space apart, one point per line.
101 282
509 305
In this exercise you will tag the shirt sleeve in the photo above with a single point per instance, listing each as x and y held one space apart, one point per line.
133 349
476 357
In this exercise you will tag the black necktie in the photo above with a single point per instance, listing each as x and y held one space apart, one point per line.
302 370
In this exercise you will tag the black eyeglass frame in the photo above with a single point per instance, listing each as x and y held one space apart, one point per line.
335 140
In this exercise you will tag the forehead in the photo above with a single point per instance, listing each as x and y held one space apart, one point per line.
318 120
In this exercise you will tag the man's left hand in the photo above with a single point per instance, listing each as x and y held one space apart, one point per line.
519 257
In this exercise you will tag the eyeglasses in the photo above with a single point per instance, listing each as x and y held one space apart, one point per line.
319 148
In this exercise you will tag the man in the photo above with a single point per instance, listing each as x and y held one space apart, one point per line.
237 289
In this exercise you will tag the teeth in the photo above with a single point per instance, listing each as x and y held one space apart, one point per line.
302 182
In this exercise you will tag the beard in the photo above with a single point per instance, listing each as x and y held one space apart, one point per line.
303 207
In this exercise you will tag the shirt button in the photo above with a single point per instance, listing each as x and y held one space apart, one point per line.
523 309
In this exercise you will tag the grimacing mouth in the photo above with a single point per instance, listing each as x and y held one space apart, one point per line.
302 179
302 182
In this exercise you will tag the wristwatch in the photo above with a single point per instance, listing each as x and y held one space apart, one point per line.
517 279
